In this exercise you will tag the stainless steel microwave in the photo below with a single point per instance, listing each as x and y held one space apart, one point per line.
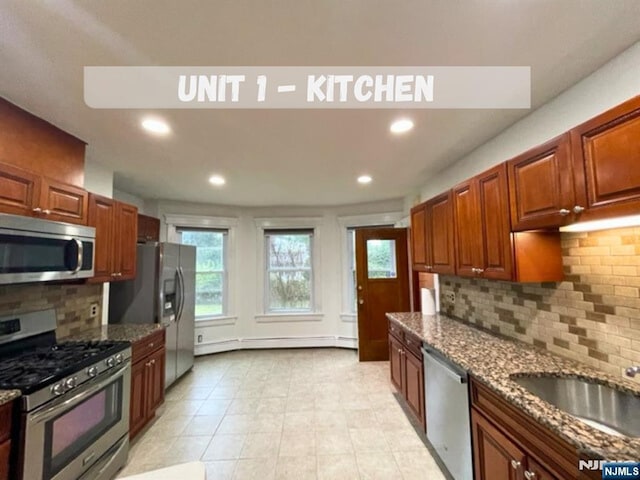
36 250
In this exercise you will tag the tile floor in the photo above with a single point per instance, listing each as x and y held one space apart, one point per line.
285 414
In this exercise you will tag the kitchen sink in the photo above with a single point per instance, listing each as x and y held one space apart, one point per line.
607 409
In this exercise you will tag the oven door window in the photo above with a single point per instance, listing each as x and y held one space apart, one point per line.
73 431
25 254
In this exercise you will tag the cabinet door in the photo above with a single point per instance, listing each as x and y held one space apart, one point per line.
439 234
495 456
126 241
606 155
19 190
541 186
468 231
418 240
156 380
5 451
395 362
138 402
497 253
414 384
537 471
63 203
102 216
148 229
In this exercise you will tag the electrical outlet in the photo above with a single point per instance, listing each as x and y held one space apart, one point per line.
450 297
93 310
199 338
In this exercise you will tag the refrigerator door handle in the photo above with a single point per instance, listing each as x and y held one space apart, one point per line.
181 308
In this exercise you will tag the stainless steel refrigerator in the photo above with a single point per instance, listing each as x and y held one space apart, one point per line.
162 292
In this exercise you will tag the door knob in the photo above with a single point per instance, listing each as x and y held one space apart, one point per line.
564 212
359 287
578 209
361 302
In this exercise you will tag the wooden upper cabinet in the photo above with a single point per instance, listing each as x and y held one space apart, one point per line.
126 241
19 190
440 244
148 229
606 161
102 216
496 254
116 227
418 240
63 202
541 189
468 228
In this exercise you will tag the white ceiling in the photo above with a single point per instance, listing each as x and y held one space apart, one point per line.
293 157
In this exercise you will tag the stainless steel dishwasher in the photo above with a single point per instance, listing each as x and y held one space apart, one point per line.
447 407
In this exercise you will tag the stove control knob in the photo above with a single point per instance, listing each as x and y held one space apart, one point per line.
70 382
119 358
57 389
110 362
92 371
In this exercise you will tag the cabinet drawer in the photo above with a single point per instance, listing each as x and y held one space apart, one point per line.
413 344
5 421
142 348
396 331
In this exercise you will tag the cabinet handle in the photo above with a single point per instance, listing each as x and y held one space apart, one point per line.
429 267
529 475
46 212
564 212
36 210
151 345
578 209
515 464
153 362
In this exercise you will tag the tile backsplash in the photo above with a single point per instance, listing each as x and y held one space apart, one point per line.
71 301
593 316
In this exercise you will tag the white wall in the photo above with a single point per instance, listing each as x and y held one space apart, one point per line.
99 179
246 326
612 84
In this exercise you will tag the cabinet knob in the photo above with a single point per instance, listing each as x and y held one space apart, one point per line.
37 210
578 209
429 267
564 212
515 464
529 475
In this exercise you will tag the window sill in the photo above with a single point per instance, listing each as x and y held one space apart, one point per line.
289 317
349 317
216 321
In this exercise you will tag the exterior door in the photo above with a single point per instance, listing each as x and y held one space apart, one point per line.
382 270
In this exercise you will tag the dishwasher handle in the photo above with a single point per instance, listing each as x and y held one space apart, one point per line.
447 367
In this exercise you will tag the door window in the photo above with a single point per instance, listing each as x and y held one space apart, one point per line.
381 259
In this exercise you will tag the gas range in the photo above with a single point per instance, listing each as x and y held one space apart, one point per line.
45 372
74 415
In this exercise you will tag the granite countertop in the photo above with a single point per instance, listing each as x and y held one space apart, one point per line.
492 360
8 395
127 332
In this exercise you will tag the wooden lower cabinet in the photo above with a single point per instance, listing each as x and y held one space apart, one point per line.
6 414
147 381
407 372
5 451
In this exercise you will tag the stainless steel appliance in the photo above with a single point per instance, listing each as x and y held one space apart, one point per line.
75 400
447 406
36 250
164 291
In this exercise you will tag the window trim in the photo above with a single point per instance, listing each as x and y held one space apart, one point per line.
347 222
263 225
230 224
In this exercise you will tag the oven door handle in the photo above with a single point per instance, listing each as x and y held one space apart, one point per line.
40 416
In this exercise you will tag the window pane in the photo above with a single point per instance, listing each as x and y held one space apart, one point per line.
210 252
290 290
381 258
289 251
209 294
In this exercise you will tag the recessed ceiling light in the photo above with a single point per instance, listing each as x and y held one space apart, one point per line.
217 180
156 126
364 179
401 126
